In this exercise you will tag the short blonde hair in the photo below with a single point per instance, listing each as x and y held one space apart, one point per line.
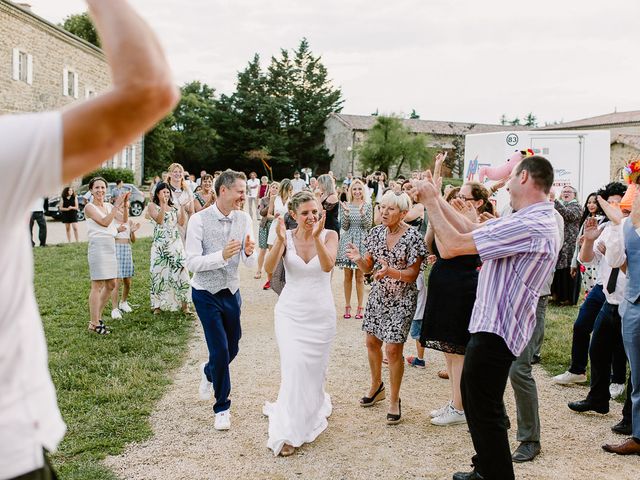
327 183
399 200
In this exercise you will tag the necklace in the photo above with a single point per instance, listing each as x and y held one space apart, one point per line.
393 232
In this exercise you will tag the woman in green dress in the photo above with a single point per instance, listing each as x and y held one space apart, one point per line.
169 276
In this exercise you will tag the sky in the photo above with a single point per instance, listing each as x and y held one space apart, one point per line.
455 60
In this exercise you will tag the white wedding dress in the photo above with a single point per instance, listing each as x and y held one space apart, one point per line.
305 325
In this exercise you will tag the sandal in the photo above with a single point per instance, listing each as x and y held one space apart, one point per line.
443 374
347 312
393 418
258 275
287 450
359 315
371 401
100 329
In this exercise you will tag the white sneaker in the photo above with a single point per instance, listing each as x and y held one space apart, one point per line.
115 314
206 387
616 389
567 378
125 307
440 411
222 421
450 417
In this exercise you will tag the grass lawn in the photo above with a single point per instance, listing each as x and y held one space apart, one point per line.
107 385
558 333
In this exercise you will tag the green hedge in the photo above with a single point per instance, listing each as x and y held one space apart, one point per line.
456 182
111 175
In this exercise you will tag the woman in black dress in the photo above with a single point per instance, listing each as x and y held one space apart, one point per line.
69 212
330 202
445 325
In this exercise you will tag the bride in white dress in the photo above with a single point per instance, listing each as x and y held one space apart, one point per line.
305 325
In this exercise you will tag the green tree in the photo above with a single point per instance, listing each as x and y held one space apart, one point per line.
504 120
390 144
159 146
313 98
82 26
414 115
530 120
195 139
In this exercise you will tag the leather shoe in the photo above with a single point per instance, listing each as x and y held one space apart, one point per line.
526 452
473 475
628 447
587 406
622 428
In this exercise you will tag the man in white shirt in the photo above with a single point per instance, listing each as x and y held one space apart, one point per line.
297 183
49 150
219 237
253 186
607 330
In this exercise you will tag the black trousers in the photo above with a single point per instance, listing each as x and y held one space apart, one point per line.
605 341
487 361
44 473
42 227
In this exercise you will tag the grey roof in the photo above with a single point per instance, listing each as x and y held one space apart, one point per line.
609 119
627 139
436 127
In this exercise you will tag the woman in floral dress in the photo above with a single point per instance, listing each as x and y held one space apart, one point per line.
169 276
394 251
355 220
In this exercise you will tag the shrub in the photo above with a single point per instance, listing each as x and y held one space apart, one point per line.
111 175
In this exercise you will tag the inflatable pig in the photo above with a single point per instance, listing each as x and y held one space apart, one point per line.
504 170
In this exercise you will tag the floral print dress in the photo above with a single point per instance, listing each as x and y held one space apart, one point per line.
355 223
392 303
169 276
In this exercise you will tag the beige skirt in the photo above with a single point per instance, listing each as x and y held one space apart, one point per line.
103 264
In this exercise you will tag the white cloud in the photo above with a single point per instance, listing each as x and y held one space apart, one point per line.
462 60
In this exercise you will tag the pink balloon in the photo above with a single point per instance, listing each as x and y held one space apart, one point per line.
502 171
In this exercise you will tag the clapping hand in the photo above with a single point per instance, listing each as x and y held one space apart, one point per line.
484 216
135 227
431 259
352 253
319 226
122 200
612 212
383 271
281 230
591 230
122 228
426 190
465 208
249 246
232 248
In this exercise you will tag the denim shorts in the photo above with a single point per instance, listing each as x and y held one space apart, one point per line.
416 326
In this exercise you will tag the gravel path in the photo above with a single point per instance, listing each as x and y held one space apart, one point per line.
357 444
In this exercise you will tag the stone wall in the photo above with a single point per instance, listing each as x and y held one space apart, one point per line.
51 53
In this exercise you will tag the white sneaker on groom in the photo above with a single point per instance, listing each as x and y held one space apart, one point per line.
222 420
206 387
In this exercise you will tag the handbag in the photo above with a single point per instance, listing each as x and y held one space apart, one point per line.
278 279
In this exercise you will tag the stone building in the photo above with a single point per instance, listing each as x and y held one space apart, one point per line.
625 135
344 133
43 67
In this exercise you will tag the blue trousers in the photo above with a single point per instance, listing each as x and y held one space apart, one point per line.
220 318
631 338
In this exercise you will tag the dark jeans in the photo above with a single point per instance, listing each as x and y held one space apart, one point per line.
605 341
582 329
42 227
487 361
220 318
44 473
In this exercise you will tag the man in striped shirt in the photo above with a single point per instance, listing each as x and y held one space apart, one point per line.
518 252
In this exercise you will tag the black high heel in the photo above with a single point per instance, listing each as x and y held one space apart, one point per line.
392 418
371 401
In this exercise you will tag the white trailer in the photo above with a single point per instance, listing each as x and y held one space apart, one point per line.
580 158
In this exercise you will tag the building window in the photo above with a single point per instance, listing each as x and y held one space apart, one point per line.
129 158
70 83
22 66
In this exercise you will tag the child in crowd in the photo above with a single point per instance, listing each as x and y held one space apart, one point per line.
125 237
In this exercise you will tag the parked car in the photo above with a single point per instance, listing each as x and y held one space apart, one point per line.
137 201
